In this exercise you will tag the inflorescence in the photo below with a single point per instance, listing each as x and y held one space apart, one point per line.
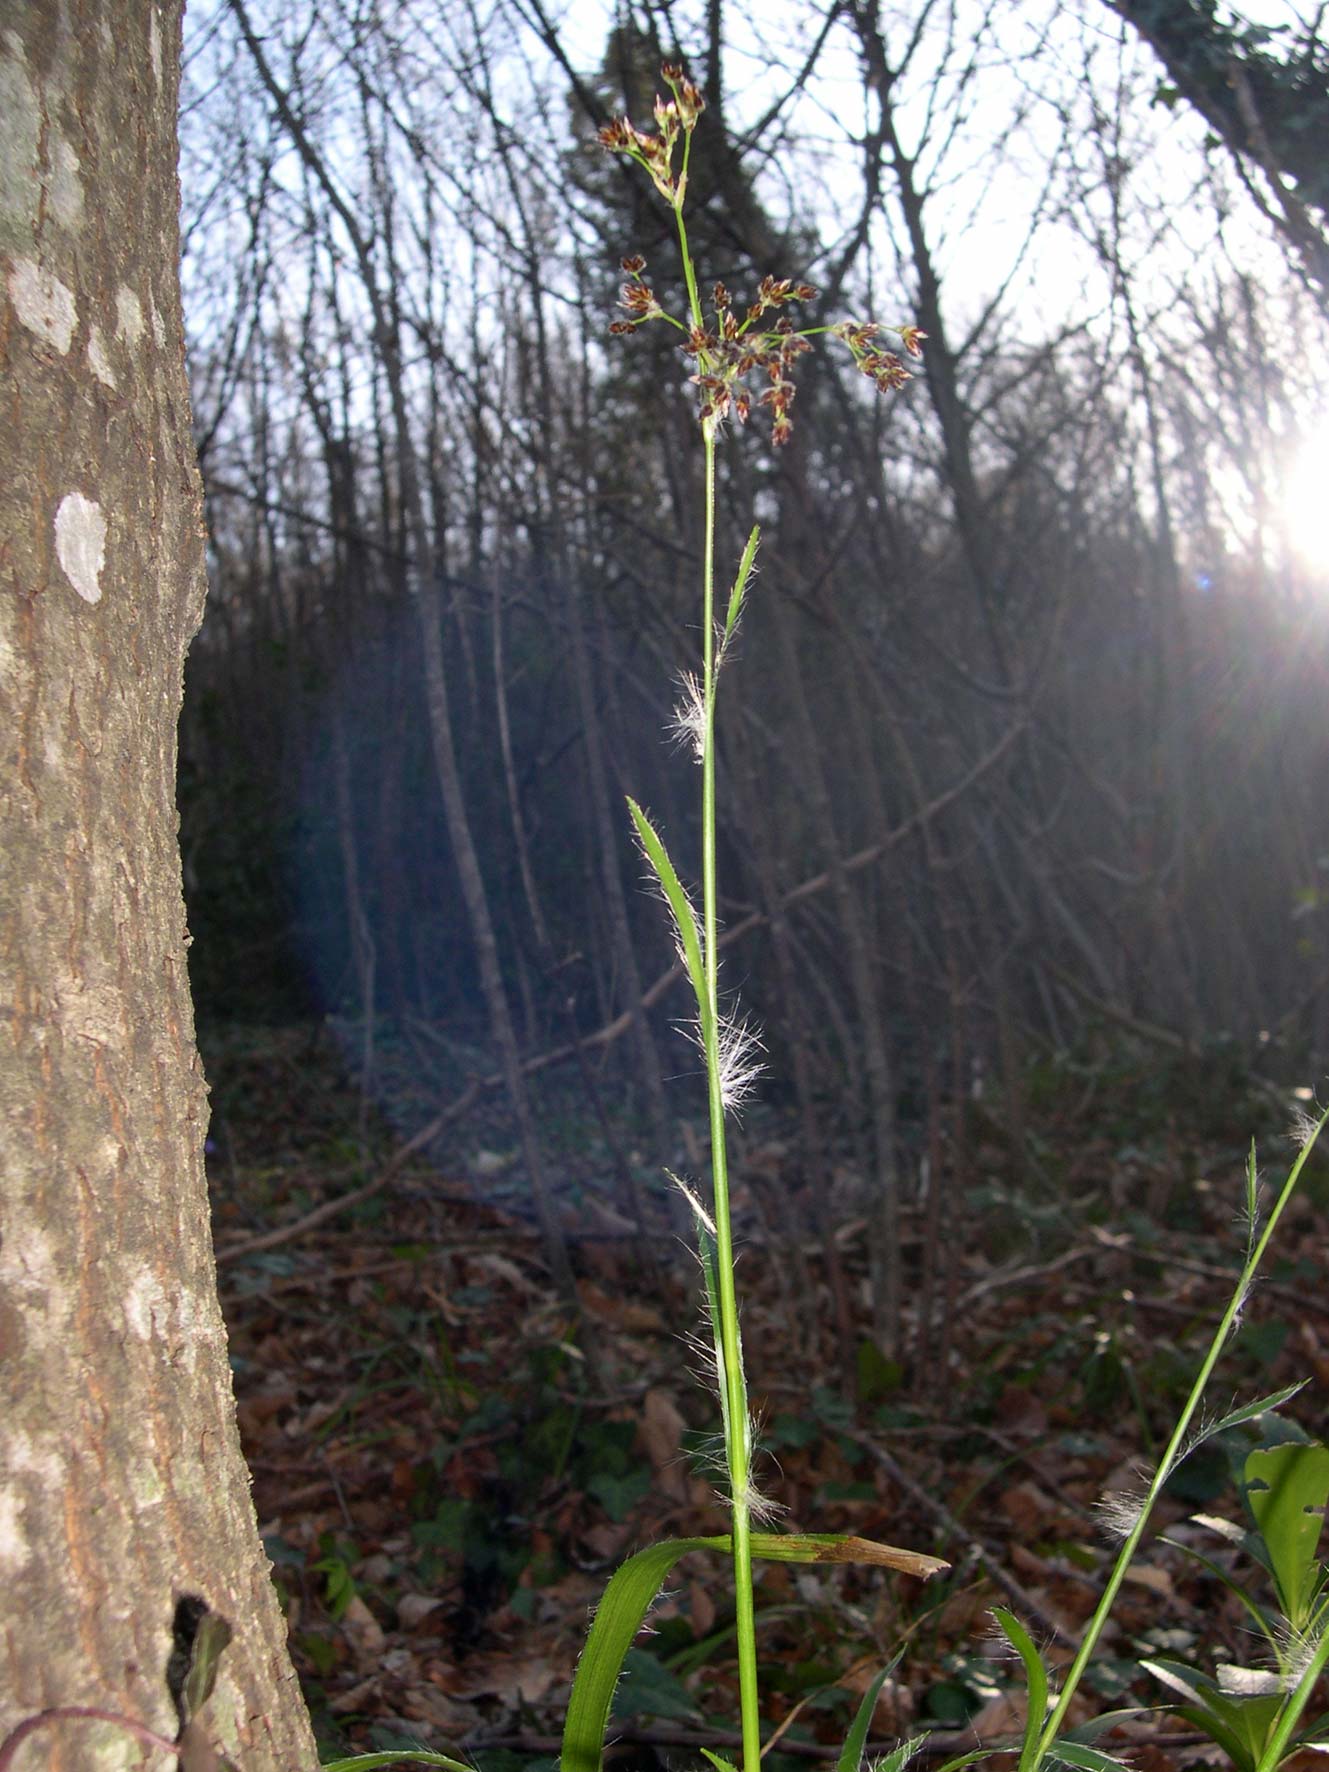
729 350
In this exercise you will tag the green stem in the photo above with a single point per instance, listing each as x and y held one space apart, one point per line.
1280 1741
1168 1463
738 1450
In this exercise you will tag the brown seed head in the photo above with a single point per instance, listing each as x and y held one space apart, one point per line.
618 136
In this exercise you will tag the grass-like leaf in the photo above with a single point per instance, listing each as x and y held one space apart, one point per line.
720 1763
838 1547
739 591
1035 1681
899 1757
1263 1622
685 920
851 1755
634 1585
1249 1411
1089 1759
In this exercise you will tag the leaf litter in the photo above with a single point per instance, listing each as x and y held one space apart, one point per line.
447 1468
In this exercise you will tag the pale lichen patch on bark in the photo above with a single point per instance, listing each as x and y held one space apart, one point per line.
147 1483
65 188
43 303
177 1319
30 1264
129 313
14 1547
145 1304
99 361
80 544
28 1466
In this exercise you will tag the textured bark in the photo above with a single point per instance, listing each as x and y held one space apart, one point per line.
122 1484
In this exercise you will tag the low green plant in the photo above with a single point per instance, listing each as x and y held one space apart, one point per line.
1280 1510
1245 1710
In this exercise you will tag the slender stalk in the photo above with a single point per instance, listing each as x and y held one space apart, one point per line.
738 1451
1279 1742
725 354
1171 1457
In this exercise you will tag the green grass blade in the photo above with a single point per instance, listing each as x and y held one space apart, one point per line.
633 1586
618 1618
899 1757
1252 1196
1035 1679
851 1755
1249 1411
685 918
739 591
720 1763
1089 1759
1263 1622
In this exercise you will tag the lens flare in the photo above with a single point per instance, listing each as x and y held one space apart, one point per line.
1304 499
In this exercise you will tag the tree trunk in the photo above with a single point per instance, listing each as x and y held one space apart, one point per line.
122 1486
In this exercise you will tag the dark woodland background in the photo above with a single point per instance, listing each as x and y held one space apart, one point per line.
1024 753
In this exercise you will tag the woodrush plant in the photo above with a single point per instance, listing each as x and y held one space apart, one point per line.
727 353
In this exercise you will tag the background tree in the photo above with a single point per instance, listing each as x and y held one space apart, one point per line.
984 780
122 1488
1265 93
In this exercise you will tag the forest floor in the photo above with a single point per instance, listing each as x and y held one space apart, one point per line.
449 1463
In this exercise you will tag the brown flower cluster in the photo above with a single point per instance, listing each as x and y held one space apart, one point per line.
638 298
731 351
883 368
674 116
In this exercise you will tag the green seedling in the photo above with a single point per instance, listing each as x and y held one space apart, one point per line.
1244 1709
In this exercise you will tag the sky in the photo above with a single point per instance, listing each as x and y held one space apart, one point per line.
1054 184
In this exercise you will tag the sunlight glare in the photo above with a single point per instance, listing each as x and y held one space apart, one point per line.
1305 499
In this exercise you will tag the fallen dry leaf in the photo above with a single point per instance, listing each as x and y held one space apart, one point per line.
661 1431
